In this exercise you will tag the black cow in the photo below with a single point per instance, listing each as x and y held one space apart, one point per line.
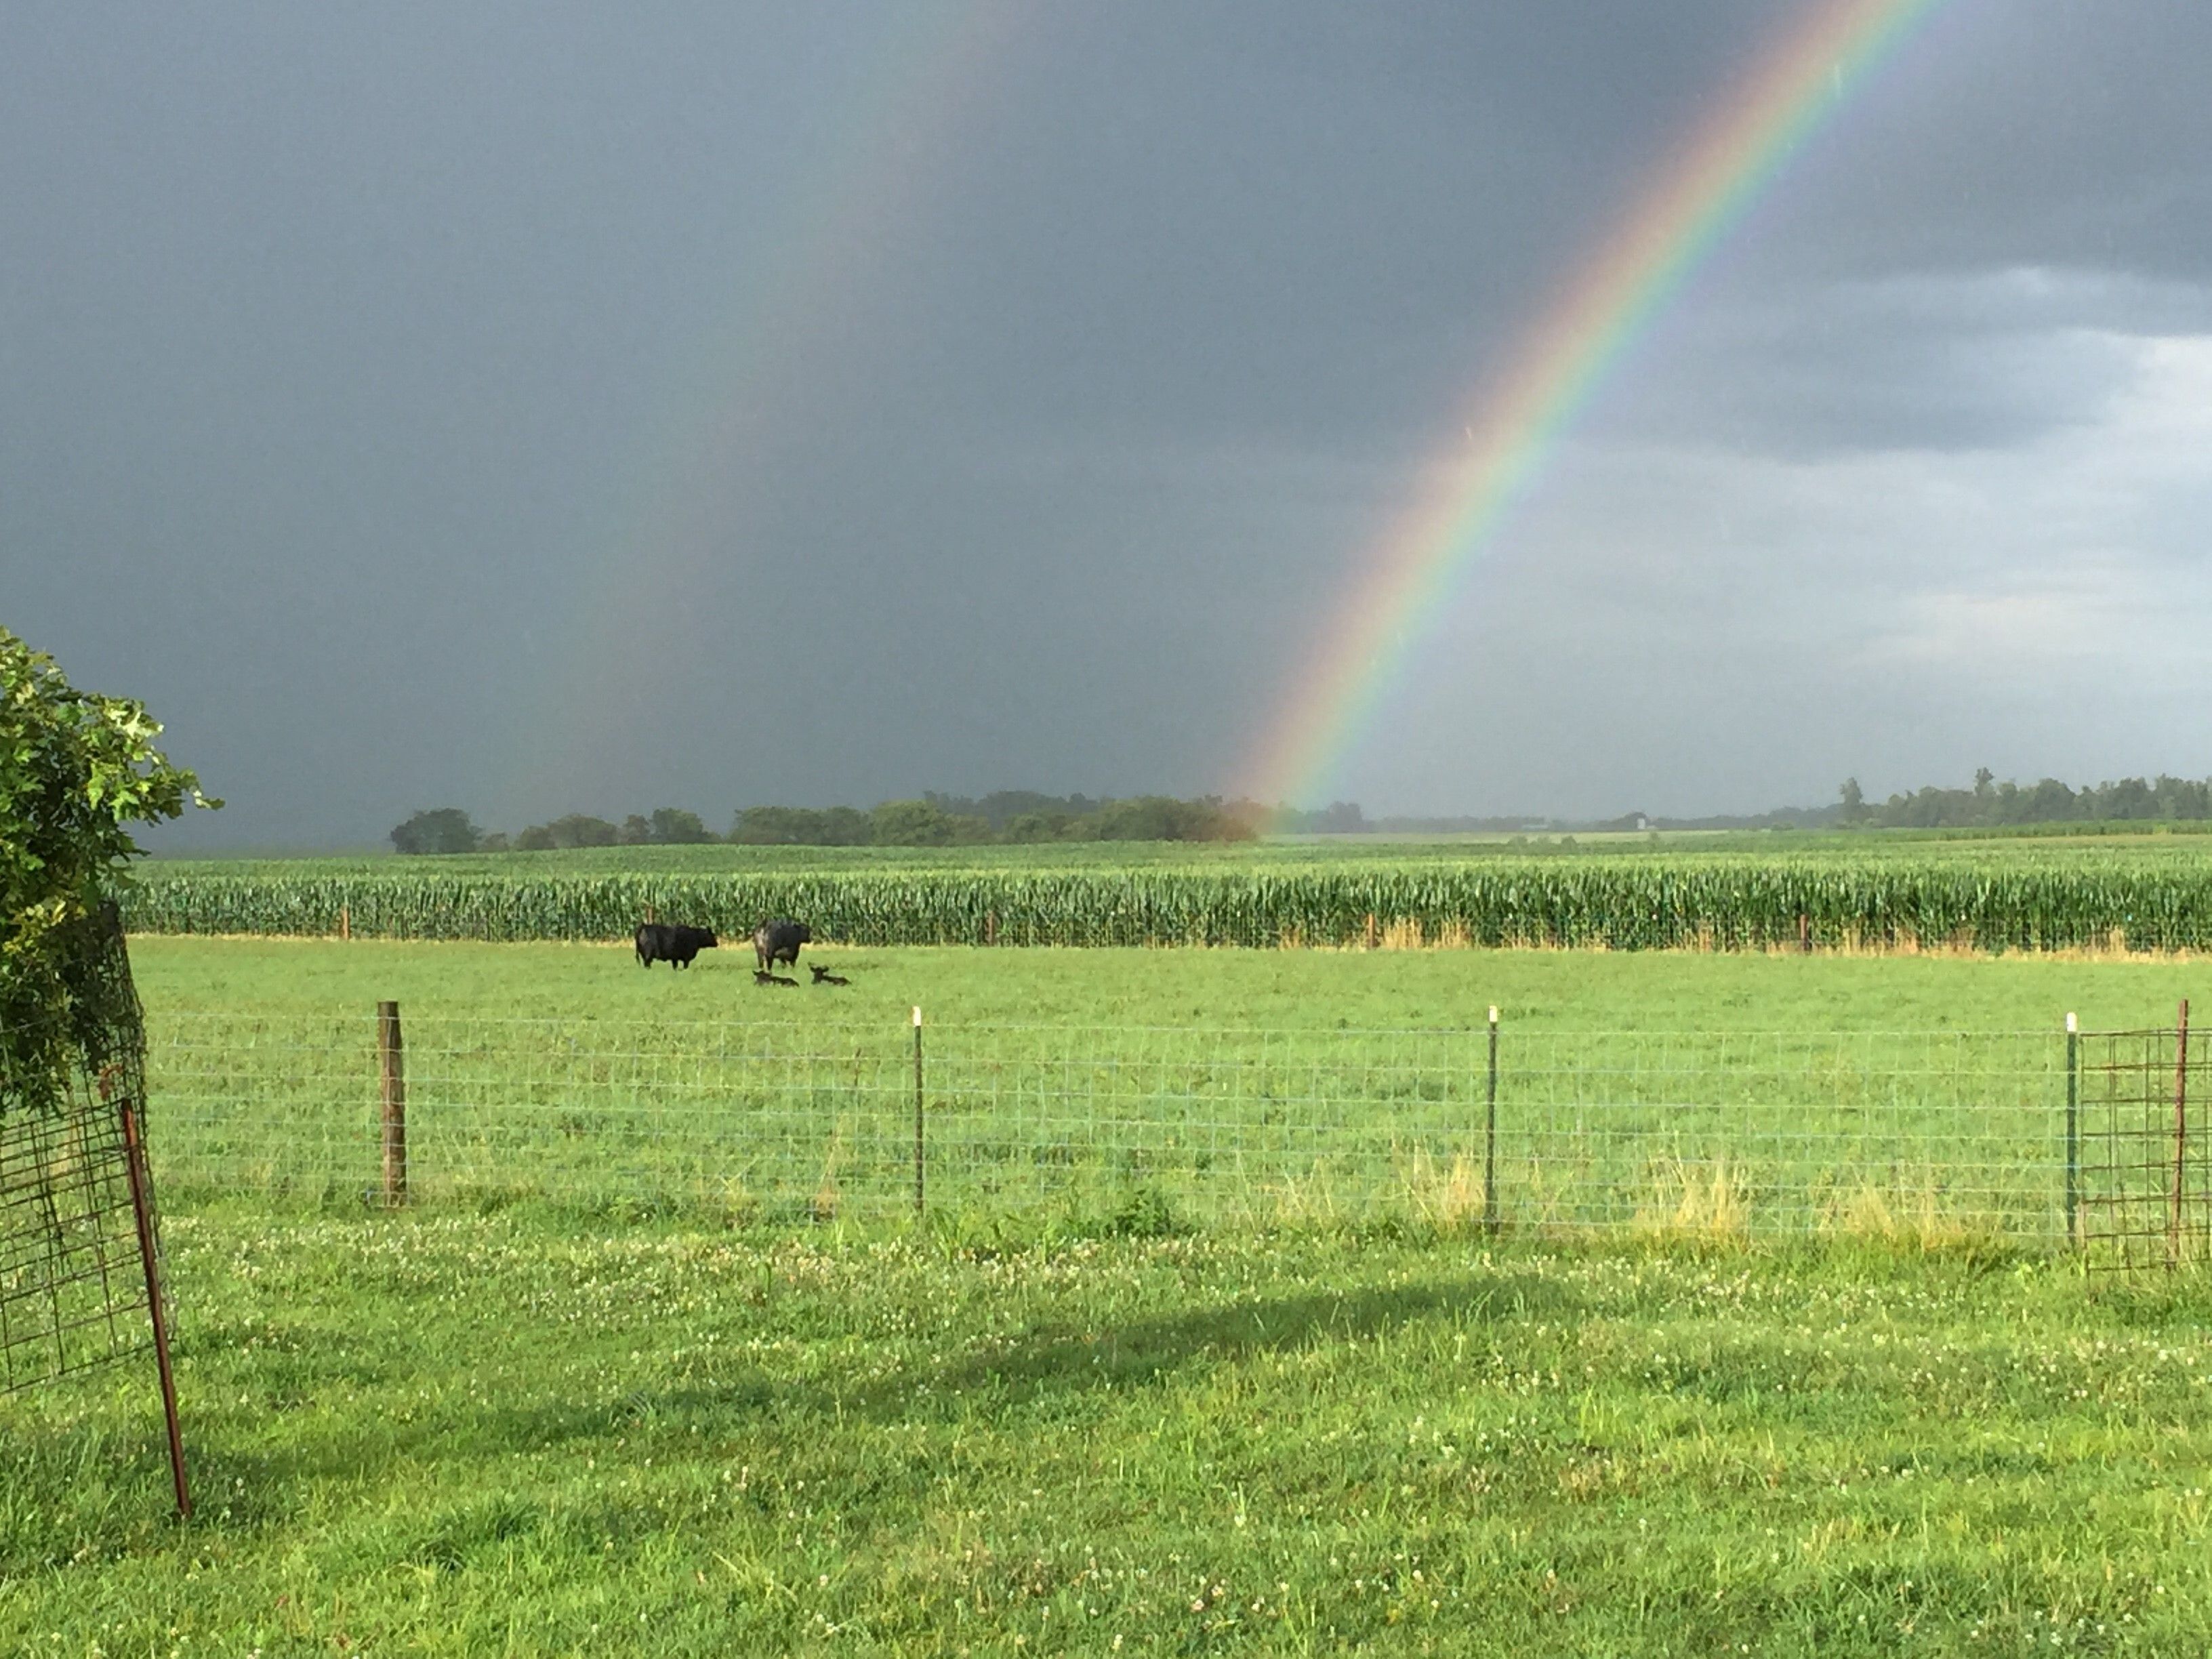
823 976
779 941
672 943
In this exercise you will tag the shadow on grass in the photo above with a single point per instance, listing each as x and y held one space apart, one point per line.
1033 1368
1045 1362
238 1470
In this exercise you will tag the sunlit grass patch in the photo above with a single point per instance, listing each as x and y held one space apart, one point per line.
1702 1201
1447 1195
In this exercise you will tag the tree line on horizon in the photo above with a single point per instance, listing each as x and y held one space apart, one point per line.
1990 803
1008 817
1017 817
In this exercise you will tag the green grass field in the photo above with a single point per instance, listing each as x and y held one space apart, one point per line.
1772 1095
547 1426
454 1434
1321 990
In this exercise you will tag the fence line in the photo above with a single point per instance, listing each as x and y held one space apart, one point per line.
1739 1133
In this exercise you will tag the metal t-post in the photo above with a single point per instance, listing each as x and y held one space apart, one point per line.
2073 1130
917 1115
1490 1135
2180 1133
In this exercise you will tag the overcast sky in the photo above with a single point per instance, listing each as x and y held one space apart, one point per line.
546 407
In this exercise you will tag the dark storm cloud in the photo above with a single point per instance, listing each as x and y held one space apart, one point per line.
2058 133
544 408
1929 361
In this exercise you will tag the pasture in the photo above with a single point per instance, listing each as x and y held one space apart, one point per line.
1783 1095
549 1413
1314 990
520 1435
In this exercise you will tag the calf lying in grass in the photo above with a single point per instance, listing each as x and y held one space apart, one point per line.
762 976
823 976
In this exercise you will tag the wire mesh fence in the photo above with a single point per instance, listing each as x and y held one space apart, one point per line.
72 1291
79 1235
1720 1132
2146 1163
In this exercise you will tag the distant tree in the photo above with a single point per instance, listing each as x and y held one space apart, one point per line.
2049 802
846 826
444 830
635 831
917 823
2130 797
1854 801
1140 817
802 826
1260 818
1002 807
776 826
1163 818
1031 827
2183 798
575 830
1340 817
495 842
674 827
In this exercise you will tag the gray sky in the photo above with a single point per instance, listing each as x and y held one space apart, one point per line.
547 407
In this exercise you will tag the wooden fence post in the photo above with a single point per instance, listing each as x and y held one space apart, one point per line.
393 1065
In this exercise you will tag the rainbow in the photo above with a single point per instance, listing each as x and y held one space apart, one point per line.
1517 423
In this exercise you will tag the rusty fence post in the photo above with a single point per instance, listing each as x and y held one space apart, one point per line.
917 1115
392 1063
134 1157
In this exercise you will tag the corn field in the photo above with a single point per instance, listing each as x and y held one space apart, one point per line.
2076 899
